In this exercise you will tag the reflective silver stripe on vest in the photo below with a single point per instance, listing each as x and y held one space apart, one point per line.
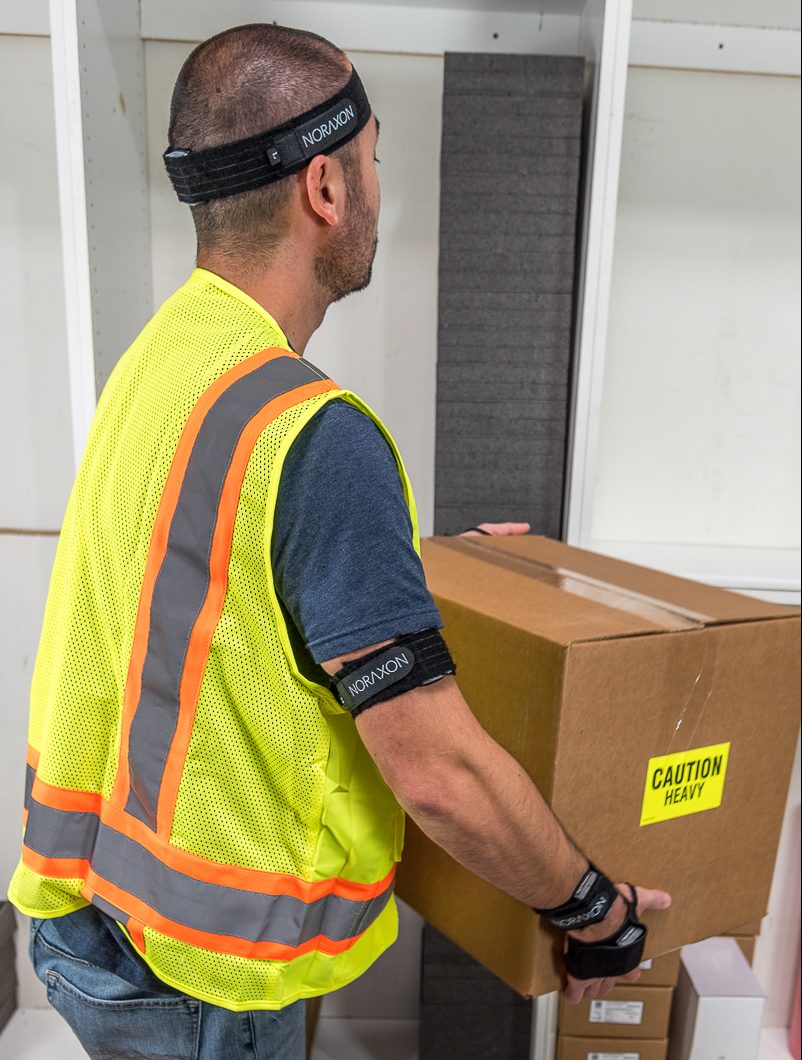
209 907
183 577
107 907
60 833
30 774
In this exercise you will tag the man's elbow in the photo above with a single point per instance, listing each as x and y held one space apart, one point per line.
430 792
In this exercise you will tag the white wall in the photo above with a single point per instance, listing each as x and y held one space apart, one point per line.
35 430
36 409
698 462
700 417
780 14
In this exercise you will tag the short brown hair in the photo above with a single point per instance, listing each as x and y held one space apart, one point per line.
241 82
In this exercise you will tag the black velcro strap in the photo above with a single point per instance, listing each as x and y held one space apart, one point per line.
589 904
413 660
243 165
622 952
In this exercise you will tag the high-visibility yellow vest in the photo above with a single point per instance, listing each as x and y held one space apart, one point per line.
187 771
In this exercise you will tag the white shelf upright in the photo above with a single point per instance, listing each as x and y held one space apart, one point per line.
99 95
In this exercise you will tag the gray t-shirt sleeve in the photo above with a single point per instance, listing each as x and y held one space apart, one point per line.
343 561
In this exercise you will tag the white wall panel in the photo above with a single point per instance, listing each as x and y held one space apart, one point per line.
382 343
172 236
412 28
34 396
25 562
700 418
779 14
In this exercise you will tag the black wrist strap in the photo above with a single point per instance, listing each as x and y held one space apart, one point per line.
589 904
622 952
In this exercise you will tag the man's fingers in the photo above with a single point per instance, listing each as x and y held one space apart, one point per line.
574 991
504 529
577 990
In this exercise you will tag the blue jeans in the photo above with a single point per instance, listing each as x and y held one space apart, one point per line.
119 1009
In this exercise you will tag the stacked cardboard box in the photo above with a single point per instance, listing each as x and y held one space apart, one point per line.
631 1023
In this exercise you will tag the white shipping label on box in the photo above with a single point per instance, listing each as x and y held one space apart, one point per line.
613 1056
616 1012
646 966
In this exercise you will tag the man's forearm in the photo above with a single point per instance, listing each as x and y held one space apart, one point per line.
485 811
474 799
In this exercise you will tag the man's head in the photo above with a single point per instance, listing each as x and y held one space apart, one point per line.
246 81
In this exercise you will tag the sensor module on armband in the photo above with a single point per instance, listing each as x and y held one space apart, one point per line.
216 172
411 661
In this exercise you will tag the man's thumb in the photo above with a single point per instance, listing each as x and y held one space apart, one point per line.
652 899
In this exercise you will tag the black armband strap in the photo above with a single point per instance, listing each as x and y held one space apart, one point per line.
622 952
589 904
413 660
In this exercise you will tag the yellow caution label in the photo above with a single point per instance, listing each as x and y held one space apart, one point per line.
683 783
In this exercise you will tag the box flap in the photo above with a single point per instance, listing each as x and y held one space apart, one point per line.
569 594
672 592
548 603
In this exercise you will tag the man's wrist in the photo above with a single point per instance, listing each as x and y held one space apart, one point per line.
612 955
589 904
616 916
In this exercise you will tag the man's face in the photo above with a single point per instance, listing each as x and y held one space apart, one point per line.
345 265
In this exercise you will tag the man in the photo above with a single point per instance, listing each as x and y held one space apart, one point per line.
241 685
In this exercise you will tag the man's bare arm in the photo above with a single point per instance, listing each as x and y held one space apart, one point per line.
470 796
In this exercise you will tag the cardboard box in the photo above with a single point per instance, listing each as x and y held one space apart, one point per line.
590 670
630 1011
752 928
611 1049
718 1006
660 971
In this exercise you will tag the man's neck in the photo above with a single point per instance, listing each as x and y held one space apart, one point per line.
293 300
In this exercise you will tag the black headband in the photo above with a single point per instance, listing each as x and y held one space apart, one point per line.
229 169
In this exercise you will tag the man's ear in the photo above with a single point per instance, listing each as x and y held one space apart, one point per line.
325 188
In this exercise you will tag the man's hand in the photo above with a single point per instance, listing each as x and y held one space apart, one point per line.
577 990
497 529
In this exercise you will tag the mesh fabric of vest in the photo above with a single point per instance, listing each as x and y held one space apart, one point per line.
276 777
